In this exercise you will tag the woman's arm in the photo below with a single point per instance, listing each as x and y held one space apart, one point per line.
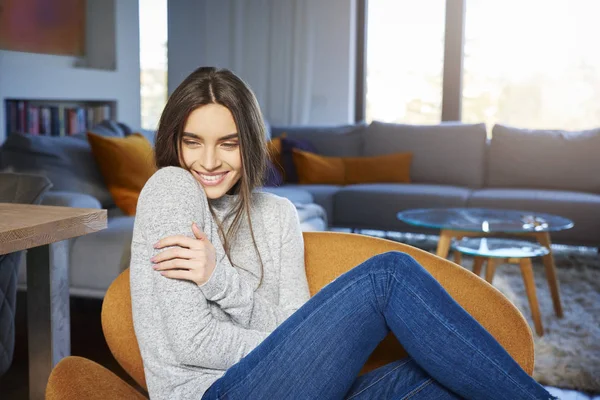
237 297
170 201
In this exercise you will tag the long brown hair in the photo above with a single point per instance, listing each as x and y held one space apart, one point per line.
209 85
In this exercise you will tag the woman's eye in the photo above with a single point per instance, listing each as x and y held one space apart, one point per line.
190 143
230 145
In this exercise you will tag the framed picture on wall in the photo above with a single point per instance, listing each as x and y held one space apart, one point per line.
43 26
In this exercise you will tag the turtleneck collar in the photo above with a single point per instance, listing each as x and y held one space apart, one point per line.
223 204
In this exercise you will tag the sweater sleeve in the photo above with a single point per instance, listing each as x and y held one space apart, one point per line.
168 204
236 296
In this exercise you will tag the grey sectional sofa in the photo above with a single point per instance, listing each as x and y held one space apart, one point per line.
95 260
455 165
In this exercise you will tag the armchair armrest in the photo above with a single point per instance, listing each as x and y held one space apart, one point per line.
75 378
70 199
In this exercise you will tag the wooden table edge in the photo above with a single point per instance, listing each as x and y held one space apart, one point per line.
28 242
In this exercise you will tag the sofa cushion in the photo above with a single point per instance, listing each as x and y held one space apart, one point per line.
148 134
126 164
317 169
338 141
323 195
98 258
376 205
288 146
111 128
312 217
447 154
544 159
312 168
273 175
295 195
582 208
67 161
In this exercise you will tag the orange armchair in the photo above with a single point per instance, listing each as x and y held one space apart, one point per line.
327 255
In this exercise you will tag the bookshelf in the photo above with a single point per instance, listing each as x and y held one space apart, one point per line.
56 117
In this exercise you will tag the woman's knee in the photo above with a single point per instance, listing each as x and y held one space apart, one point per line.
394 260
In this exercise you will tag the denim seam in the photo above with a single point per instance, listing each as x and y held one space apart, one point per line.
386 299
418 389
386 374
465 341
338 293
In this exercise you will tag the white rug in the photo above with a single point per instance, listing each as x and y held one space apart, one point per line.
568 355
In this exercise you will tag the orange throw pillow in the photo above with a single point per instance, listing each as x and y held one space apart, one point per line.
316 169
392 168
274 151
126 164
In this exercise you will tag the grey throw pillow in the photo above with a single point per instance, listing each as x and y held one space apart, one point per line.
67 161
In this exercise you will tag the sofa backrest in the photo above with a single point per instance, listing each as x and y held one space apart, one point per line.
335 141
544 159
67 161
448 153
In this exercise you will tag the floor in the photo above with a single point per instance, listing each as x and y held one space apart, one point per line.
88 341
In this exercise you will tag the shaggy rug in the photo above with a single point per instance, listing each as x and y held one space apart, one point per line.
568 355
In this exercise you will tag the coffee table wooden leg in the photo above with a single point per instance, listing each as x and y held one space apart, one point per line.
443 246
490 270
457 257
48 313
527 272
477 265
544 239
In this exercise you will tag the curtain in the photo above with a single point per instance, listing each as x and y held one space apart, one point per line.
280 31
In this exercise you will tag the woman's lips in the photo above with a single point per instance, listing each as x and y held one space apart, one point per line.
212 179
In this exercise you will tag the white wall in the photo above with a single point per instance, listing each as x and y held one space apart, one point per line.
210 32
42 76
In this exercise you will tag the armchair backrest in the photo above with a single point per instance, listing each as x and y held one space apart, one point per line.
328 255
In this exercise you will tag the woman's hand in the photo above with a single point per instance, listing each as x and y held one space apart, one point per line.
192 259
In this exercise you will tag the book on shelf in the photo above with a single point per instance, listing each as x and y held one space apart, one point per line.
53 119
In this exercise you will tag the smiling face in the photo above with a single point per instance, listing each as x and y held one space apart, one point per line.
210 149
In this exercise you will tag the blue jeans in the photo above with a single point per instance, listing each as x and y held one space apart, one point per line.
318 351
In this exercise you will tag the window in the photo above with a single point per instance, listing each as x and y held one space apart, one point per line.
526 63
532 64
153 60
405 51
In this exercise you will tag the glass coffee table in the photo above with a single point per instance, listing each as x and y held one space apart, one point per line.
498 251
458 223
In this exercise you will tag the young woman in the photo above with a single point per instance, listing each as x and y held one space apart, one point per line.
221 305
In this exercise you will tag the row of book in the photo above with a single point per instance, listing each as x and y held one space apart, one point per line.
53 120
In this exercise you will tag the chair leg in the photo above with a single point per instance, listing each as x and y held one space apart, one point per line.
527 272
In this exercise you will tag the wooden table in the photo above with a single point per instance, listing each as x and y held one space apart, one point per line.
498 251
543 238
43 230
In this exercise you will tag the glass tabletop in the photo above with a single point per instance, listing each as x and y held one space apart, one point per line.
484 220
499 248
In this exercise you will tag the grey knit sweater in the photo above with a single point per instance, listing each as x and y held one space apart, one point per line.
189 335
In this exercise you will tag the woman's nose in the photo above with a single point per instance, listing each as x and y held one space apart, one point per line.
210 160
